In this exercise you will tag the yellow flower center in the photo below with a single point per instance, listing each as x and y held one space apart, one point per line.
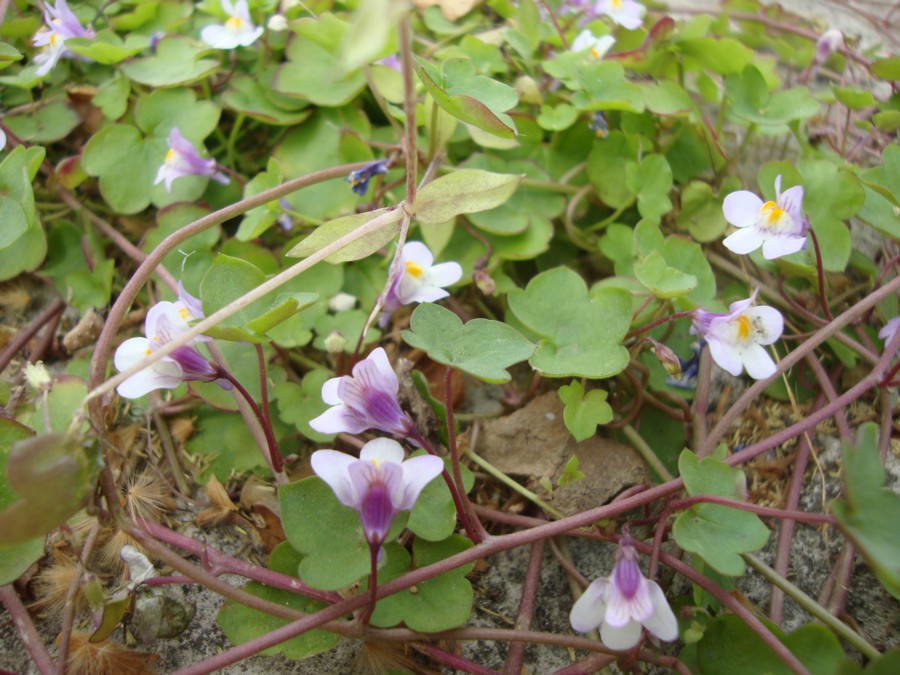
414 270
616 3
234 23
147 351
53 38
771 215
744 326
184 313
170 156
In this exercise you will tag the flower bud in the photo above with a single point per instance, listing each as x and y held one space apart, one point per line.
335 342
827 43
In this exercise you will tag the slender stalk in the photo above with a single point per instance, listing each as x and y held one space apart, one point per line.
784 514
168 445
275 459
373 583
263 383
515 657
26 631
22 338
820 272
813 607
653 324
646 452
457 663
494 472
68 620
480 533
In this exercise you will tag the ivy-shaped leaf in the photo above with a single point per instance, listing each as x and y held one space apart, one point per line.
482 348
583 413
580 334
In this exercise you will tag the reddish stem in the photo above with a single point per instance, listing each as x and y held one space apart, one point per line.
820 272
275 459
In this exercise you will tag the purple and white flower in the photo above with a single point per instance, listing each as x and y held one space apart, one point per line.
625 13
887 330
365 399
378 485
165 321
598 46
182 159
359 179
419 280
778 226
624 602
238 30
826 44
62 24
736 338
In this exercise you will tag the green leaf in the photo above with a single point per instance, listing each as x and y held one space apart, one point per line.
107 47
750 99
855 99
718 534
335 551
651 180
248 96
433 517
464 191
231 278
701 213
47 124
159 111
607 164
482 348
315 68
53 475
606 88
335 229
372 29
176 62
584 413
440 603
870 512
729 645
348 325
15 559
660 279
580 335
62 403
242 624
888 69
558 117
8 55
223 445
299 403
465 106
529 210
112 96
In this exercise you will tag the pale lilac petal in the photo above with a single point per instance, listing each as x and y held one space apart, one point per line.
887 331
388 378
130 352
791 200
757 361
740 208
630 15
427 294
621 609
776 247
736 308
620 637
382 450
584 40
330 391
590 608
767 322
445 274
743 241
338 419
333 467
662 622
417 473
725 356
219 37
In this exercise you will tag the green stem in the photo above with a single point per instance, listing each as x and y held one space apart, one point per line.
813 607
494 472
646 452
232 138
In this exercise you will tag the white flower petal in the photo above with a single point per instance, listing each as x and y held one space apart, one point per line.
744 241
740 208
338 419
419 253
757 361
130 352
161 375
725 356
334 468
620 637
382 450
445 274
776 247
220 37
767 322
417 473
662 622
590 608
330 391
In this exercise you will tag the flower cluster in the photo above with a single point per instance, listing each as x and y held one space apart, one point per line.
737 337
237 31
182 159
420 280
61 24
166 321
778 226
624 602
378 485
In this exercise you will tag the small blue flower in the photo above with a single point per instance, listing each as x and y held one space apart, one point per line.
690 368
359 179
598 125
